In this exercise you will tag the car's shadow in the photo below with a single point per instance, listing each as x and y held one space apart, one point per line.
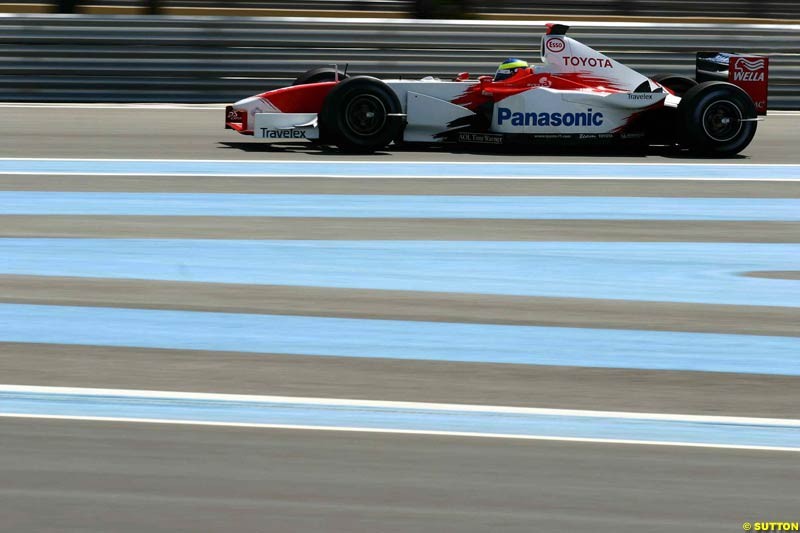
293 148
321 150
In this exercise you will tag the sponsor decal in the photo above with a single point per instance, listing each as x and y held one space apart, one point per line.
544 119
631 136
234 116
282 134
556 45
640 96
751 74
748 69
587 136
552 136
592 62
483 138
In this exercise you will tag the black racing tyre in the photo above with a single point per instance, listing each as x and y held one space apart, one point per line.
716 118
675 83
319 74
361 114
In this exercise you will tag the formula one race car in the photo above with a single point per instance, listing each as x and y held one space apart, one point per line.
577 95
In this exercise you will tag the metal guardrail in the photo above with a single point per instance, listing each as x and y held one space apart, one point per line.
651 8
777 9
336 5
73 58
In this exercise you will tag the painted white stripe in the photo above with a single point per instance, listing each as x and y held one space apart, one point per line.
402 176
662 22
532 164
249 398
406 432
534 170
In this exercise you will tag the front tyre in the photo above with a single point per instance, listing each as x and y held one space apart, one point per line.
362 115
717 118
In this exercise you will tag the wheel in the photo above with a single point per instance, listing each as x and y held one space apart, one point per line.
319 74
715 118
361 114
675 83
662 124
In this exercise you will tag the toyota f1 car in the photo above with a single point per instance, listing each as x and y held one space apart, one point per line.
576 95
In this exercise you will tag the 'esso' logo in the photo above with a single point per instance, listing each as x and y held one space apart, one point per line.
556 45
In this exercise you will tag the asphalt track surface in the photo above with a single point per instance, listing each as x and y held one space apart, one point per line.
131 478
102 476
181 134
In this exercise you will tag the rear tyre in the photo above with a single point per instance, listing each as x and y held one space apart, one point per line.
361 115
662 124
319 74
714 119
675 83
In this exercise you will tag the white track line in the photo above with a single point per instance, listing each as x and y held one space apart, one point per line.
143 394
407 432
379 163
401 177
537 24
248 398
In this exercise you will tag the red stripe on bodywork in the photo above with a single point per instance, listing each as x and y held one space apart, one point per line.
580 80
306 98
480 93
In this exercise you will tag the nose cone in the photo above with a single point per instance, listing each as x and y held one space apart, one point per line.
248 107
255 104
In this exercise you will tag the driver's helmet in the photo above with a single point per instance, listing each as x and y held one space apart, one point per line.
508 68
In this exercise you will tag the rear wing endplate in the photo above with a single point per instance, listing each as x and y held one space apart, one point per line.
749 72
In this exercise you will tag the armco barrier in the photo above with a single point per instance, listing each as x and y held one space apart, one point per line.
761 9
79 58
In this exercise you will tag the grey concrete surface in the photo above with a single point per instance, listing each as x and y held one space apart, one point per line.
90 476
199 134
400 305
777 274
388 379
165 227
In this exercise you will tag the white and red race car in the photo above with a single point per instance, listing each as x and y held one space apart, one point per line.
576 95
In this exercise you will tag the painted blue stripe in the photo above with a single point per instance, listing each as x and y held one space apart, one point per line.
675 272
400 419
375 167
400 206
394 339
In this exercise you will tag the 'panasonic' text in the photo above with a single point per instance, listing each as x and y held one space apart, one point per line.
589 118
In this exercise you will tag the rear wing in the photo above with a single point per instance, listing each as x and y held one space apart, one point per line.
749 72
